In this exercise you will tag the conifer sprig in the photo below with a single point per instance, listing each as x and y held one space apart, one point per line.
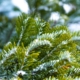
41 51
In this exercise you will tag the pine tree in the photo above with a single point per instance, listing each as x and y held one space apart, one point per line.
40 52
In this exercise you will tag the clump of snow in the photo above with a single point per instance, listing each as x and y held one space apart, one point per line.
64 42
65 55
77 78
55 16
68 7
21 72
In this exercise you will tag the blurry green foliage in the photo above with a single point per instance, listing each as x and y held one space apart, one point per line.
42 8
6 30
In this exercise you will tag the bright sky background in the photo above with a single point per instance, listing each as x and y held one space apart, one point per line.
22 5
74 27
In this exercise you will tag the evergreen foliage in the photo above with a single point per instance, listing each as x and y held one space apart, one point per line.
40 52
46 9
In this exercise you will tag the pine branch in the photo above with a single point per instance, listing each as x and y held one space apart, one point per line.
52 51
41 51
7 55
